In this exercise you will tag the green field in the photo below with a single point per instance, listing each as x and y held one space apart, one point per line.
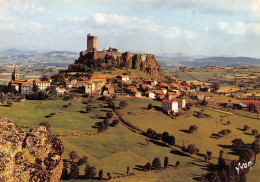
118 147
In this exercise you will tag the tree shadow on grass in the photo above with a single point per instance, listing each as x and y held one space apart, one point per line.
176 152
251 134
241 129
184 131
139 168
158 143
157 108
47 116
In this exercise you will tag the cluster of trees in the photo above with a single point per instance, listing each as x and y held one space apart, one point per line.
102 126
50 94
157 165
170 139
226 172
71 168
191 148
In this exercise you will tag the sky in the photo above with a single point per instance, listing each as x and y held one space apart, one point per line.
193 27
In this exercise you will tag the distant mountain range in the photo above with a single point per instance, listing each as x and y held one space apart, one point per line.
200 61
56 58
166 60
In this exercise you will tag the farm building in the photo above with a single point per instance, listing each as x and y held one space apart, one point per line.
169 106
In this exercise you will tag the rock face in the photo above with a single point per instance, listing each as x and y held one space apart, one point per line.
112 58
33 156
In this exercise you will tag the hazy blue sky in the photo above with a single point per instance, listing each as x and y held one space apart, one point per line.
208 27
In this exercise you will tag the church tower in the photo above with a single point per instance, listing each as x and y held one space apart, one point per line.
91 43
15 74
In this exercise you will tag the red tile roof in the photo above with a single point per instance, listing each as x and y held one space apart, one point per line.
252 101
168 101
209 95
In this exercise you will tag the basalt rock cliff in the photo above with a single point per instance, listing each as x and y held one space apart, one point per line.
111 58
33 156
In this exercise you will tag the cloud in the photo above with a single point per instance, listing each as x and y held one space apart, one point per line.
206 6
122 25
239 28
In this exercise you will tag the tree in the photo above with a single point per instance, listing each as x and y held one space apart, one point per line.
46 124
237 143
156 164
74 170
90 171
123 104
148 166
251 107
65 173
254 132
246 127
114 122
192 149
88 109
9 103
166 162
193 128
109 176
209 153
171 140
73 155
82 160
150 106
177 164
100 174
165 137
109 115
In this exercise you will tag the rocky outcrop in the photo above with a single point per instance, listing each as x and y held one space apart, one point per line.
33 156
98 60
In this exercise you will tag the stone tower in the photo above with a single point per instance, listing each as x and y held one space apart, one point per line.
15 74
91 43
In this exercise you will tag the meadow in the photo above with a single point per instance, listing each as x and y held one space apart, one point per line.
117 147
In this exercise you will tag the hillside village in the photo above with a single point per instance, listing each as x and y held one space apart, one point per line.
169 90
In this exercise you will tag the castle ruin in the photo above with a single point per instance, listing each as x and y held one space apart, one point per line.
143 62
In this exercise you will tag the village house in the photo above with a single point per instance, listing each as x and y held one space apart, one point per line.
150 94
172 95
89 87
99 78
233 105
150 82
160 97
42 85
169 106
209 97
60 90
256 103
181 102
26 88
200 97
124 78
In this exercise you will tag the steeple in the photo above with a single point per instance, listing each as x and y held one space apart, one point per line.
15 74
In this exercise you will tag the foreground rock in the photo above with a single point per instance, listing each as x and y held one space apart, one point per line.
33 156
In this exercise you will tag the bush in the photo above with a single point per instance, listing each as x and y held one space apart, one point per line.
192 149
109 115
156 164
148 166
90 172
123 104
193 128
114 123
150 106
46 124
